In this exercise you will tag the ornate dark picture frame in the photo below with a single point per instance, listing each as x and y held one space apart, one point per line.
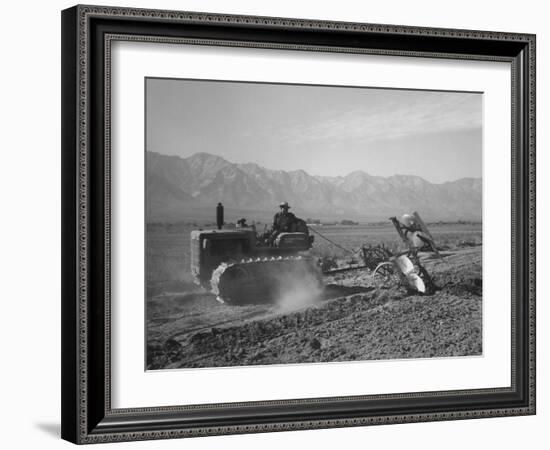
87 34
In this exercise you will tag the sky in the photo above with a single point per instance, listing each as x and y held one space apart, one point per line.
324 130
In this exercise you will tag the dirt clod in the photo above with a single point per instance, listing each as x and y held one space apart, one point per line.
315 344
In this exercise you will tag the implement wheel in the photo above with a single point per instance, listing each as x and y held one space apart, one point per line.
385 276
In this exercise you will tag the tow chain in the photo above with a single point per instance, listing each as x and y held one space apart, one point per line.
332 242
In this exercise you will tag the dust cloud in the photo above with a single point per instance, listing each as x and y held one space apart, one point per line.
298 290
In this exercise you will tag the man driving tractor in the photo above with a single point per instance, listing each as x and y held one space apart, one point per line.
285 222
284 219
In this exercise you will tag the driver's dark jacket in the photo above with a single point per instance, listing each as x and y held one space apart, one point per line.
282 221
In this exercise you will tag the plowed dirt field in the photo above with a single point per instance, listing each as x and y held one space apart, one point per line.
350 319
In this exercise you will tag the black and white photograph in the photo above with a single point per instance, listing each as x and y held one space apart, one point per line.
290 224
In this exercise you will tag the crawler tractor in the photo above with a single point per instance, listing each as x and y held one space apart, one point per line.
240 266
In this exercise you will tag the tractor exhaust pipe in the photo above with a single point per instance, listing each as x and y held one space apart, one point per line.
219 216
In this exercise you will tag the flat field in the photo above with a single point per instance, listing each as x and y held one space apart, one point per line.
349 318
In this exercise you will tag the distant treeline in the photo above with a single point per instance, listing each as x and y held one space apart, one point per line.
335 222
259 224
457 222
195 224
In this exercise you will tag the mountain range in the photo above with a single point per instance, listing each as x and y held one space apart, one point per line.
189 188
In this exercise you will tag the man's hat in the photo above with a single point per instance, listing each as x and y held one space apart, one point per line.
284 205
